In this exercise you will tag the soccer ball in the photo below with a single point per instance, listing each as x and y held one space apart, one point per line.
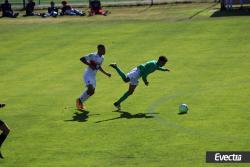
183 109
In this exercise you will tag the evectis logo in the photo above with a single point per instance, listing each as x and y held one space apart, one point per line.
228 157
224 157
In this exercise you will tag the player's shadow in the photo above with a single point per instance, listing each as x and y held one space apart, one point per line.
127 115
234 12
81 116
182 113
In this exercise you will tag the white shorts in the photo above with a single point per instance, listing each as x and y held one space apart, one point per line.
90 79
134 76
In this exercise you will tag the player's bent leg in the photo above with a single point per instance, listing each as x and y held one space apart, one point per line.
130 91
120 72
4 128
91 90
127 79
5 131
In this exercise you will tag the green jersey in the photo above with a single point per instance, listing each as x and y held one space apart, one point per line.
149 67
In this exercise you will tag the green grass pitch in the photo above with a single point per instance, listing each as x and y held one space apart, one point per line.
41 76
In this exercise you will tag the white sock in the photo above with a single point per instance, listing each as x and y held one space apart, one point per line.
84 96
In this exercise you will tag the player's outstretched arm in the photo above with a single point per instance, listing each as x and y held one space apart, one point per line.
163 69
104 72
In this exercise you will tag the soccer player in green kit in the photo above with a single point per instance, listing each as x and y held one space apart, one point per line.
133 76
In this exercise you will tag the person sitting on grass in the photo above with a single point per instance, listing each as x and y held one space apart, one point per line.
241 4
68 10
52 11
7 10
30 9
96 9
5 131
229 4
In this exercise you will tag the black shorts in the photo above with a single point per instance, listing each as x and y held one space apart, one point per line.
1 122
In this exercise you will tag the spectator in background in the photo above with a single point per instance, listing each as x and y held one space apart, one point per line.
30 9
229 4
241 4
7 11
68 10
96 8
52 11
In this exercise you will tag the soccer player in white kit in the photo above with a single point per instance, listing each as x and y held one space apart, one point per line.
94 62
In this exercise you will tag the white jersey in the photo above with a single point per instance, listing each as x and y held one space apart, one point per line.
95 58
90 74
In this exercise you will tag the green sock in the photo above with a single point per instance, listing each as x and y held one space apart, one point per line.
124 97
121 73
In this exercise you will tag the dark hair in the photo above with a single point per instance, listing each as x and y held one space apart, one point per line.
52 2
100 46
64 2
163 59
